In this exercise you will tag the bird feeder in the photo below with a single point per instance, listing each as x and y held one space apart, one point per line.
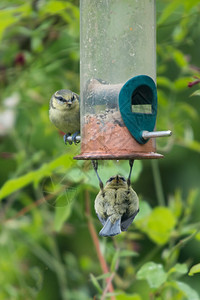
118 93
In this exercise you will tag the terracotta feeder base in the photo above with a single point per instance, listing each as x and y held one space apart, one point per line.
104 136
104 156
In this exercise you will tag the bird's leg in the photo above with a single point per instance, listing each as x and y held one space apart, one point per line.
65 138
131 161
74 137
95 166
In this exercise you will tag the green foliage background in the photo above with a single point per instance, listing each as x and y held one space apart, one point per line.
47 250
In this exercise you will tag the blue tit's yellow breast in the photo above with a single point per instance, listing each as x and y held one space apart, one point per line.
67 120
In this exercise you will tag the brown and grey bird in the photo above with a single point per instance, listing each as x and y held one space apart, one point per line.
64 113
116 206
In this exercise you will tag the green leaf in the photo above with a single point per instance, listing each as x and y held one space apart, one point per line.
142 217
176 203
164 82
181 83
103 276
197 236
193 145
195 269
196 93
190 201
63 207
190 4
180 59
158 225
95 283
145 210
168 11
12 185
179 33
128 297
126 253
153 273
54 7
114 261
9 17
187 291
178 268
187 109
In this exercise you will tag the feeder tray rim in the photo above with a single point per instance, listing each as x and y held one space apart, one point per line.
136 155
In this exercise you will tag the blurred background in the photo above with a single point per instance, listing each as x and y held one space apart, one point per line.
49 244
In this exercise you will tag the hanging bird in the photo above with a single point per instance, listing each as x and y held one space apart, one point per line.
116 205
64 113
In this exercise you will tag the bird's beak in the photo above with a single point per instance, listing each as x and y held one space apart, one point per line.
117 178
69 103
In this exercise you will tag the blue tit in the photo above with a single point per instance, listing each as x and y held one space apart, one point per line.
64 113
116 206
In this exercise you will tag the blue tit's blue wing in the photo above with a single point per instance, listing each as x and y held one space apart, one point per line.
110 229
127 221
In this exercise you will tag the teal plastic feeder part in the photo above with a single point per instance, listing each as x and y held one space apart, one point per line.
138 106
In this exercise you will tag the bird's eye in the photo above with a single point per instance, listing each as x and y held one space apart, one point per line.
73 98
60 98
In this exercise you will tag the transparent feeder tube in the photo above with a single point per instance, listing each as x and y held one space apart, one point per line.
117 43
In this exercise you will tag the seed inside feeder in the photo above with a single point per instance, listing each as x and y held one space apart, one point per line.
106 132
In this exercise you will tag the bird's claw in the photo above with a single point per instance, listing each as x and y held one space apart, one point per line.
95 166
131 161
65 138
72 138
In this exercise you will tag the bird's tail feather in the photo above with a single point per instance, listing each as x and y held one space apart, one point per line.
110 229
